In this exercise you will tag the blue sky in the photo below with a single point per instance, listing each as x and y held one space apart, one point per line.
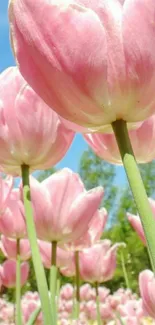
73 156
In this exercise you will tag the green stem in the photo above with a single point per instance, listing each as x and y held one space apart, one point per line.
137 186
122 322
53 280
99 321
148 258
124 271
38 266
77 284
18 315
58 285
73 314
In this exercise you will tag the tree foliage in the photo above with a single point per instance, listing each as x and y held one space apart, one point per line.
46 173
96 172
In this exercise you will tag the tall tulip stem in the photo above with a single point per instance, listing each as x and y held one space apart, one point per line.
99 322
124 270
77 282
38 266
53 280
58 286
18 315
136 185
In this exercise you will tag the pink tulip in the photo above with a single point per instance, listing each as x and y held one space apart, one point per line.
69 270
9 248
142 139
91 310
7 313
92 61
98 263
132 308
120 297
103 293
63 257
62 207
8 273
28 308
29 295
136 222
12 223
93 234
6 186
30 132
105 311
67 292
68 306
147 291
85 292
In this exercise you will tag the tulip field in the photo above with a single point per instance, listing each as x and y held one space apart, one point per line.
87 263
123 304
77 234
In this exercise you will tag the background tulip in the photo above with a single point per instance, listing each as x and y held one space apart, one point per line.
142 140
147 291
102 255
93 234
64 217
8 273
12 223
30 132
136 222
6 186
9 248
63 257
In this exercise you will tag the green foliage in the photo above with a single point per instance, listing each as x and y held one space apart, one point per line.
96 172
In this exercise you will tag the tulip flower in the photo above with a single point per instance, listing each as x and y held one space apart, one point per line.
67 292
102 254
95 74
63 257
9 248
29 295
12 222
136 222
69 271
30 132
6 186
64 217
147 291
98 263
28 308
142 139
8 273
87 292
92 235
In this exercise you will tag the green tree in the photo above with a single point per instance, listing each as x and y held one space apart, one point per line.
96 172
45 173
